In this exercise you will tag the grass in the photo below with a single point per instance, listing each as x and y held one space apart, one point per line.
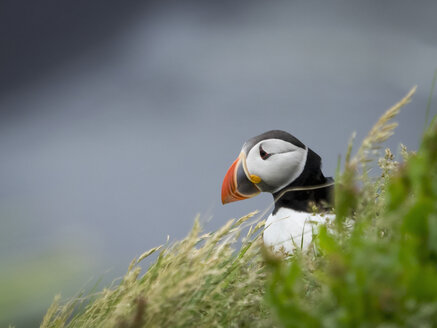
375 266
200 279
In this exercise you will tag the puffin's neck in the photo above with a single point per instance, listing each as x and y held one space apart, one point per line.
301 200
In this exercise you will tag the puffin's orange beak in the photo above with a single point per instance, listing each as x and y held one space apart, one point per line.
236 184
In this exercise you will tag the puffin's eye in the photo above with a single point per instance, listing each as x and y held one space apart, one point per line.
264 155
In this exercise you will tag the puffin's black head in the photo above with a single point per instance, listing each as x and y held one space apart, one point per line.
269 163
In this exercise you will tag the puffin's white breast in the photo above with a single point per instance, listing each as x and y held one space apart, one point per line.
289 229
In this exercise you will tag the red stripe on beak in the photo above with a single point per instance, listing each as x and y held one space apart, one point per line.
236 185
229 187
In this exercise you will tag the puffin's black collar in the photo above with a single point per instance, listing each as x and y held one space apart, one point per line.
303 188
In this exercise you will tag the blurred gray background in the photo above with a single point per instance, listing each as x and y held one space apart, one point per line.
119 119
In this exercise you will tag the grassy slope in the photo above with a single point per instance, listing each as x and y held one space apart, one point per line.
200 279
383 271
378 270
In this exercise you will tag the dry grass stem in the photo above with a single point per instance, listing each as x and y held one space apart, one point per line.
380 132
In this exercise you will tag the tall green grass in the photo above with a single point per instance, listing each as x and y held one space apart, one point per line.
375 266
382 272
199 281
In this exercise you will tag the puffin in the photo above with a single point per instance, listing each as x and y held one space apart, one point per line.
278 163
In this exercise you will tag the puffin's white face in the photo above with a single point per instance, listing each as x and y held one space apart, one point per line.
276 162
268 162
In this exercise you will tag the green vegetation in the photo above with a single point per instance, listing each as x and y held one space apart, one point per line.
383 271
375 266
198 280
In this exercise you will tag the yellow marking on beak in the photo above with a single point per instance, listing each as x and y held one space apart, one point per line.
254 178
